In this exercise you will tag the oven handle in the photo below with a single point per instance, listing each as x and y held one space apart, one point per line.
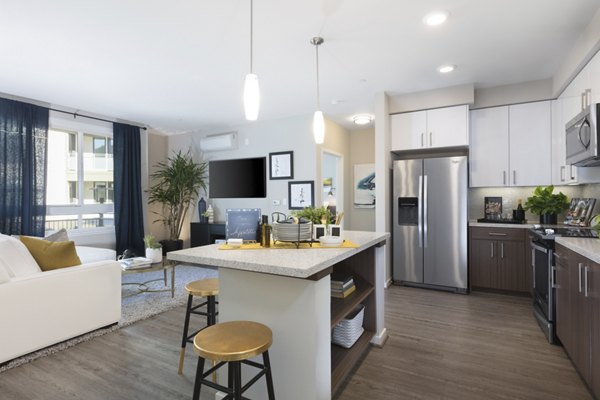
539 248
533 265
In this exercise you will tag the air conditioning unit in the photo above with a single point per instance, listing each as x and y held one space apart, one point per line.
222 141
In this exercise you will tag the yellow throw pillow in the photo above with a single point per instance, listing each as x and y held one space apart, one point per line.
51 255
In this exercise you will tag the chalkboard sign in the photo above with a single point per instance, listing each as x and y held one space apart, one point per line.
242 223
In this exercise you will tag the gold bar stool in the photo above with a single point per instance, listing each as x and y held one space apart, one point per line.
233 343
208 288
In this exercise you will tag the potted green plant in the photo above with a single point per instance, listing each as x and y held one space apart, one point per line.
317 215
176 185
153 248
546 204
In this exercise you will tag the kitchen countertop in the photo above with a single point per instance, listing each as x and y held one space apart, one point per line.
297 263
474 223
589 248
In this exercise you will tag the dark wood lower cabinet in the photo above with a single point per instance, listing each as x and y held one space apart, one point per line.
497 259
578 312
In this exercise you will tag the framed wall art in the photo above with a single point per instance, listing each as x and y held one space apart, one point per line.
301 194
281 165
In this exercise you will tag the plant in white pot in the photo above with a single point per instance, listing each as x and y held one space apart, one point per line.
153 248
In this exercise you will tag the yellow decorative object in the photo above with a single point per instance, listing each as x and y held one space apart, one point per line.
51 255
346 244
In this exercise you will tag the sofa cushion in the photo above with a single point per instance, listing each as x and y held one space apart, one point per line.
15 258
52 255
92 254
4 277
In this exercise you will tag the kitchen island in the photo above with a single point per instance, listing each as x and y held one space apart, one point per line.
289 291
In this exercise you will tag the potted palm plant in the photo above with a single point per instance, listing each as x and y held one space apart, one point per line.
176 185
546 204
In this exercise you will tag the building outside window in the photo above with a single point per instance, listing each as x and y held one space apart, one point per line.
79 191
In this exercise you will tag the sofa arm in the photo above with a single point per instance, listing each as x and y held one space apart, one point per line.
49 307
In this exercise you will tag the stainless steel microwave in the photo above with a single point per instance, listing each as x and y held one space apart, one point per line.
582 138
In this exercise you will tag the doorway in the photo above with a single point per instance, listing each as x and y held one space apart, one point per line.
332 182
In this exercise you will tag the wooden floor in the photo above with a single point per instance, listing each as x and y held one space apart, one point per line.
451 346
441 346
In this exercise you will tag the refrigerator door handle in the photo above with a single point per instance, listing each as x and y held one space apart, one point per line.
425 200
420 211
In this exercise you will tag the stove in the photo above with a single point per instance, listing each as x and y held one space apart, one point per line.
542 262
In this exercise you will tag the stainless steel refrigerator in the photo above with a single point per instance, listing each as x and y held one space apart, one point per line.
430 222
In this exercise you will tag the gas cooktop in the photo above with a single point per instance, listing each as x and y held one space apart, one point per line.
550 233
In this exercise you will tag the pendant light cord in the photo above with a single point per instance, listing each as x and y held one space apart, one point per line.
251 32
318 93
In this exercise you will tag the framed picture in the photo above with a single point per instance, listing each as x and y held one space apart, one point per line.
364 186
281 165
301 194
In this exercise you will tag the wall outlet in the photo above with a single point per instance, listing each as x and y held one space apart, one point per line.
276 202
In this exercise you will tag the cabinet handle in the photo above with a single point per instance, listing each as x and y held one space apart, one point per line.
491 250
533 265
585 277
579 265
496 234
504 178
422 140
588 97
514 176
583 100
430 139
572 174
562 173
553 281
502 250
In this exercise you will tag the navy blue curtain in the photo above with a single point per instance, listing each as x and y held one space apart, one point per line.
129 222
23 151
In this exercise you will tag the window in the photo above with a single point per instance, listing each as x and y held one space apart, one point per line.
79 190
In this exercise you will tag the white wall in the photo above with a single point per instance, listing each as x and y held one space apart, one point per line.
258 139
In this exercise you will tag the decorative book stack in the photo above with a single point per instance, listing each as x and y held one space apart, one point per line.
342 285
135 263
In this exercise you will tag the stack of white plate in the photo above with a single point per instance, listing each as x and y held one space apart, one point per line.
292 232
330 241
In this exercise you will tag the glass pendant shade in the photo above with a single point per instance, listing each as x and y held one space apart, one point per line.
251 97
319 127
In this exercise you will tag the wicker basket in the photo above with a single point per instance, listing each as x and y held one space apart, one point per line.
348 330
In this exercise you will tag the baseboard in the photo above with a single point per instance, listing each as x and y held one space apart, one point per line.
380 338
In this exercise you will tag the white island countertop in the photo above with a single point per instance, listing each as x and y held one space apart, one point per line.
587 247
297 263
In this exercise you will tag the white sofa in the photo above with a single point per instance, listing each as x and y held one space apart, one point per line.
39 309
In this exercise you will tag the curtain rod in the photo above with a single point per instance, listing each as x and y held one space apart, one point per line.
75 115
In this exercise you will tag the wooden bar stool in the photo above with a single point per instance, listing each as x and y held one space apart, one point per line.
208 288
233 343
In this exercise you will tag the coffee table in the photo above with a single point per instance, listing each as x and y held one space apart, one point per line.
143 287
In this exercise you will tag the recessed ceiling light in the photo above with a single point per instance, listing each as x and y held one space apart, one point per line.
435 18
444 69
362 119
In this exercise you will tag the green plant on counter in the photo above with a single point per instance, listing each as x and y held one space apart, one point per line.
320 215
151 242
544 201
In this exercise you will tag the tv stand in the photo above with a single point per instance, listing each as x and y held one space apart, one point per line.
202 234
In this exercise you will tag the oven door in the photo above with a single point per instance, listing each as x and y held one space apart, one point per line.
541 259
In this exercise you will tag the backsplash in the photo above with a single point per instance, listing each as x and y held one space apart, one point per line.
511 196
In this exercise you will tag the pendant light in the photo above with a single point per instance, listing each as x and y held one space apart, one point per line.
318 120
251 89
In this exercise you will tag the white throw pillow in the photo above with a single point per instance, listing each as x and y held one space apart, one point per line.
16 258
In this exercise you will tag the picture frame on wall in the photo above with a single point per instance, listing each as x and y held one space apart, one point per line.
281 165
301 194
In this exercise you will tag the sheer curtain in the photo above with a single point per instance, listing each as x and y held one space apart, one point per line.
23 150
129 222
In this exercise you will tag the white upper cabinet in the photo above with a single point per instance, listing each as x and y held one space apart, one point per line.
511 145
562 173
530 138
488 156
441 127
594 77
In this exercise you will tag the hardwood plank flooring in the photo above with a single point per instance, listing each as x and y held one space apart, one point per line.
450 346
441 346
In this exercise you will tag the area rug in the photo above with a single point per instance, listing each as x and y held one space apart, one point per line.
134 307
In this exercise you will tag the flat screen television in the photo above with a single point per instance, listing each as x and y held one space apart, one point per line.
239 178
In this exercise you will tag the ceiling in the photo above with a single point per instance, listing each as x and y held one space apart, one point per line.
179 66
